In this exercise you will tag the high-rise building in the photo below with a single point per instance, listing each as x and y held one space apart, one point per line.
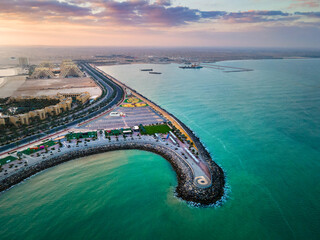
23 62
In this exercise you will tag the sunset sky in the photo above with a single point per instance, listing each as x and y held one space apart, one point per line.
237 23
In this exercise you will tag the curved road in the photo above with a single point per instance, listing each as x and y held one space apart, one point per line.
104 82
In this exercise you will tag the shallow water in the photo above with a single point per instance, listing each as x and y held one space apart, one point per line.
262 127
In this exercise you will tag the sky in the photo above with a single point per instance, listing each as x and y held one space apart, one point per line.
196 23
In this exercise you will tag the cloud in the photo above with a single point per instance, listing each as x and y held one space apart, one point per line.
212 14
258 16
305 3
309 14
29 7
154 22
163 2
159 13
137 13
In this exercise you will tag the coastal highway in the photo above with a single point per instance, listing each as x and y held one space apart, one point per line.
114 95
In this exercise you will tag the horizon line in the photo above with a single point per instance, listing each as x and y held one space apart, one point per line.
163 47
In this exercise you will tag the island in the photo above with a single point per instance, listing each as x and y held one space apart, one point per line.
124 119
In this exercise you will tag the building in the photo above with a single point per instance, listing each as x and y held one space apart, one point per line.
41 113
50 110
42 72
23 62
20 119
83 97
2 121
64 105
46 65
69 69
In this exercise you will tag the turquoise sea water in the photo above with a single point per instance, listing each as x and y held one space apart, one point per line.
262 127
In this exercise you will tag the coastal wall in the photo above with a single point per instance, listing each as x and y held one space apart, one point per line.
217 174
185 190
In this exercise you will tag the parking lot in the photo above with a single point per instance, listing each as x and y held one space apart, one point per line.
132 117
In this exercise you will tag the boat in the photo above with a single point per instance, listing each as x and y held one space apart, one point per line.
155 73
146 70
192 66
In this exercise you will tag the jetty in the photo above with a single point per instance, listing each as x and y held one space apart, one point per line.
227 69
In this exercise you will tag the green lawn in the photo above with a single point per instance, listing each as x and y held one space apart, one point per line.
29 151
127 100
150 130
47 144
80 135
9 159
115 132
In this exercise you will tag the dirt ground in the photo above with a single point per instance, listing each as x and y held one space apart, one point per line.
10 85
37 87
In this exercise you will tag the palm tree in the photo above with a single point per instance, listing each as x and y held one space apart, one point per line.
19 155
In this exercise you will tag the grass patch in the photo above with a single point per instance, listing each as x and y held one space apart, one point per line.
117 132
131 105
80 135
29 151
132 100
7 159
150 130
39 147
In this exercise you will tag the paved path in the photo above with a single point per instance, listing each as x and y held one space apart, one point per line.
200 177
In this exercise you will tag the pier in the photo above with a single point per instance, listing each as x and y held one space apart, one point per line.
226 68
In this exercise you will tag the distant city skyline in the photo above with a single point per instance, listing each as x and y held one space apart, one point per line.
216 23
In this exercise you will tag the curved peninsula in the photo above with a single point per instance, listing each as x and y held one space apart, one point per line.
200 179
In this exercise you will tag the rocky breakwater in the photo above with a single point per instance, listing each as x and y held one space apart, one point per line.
215 192
204 196
185 190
